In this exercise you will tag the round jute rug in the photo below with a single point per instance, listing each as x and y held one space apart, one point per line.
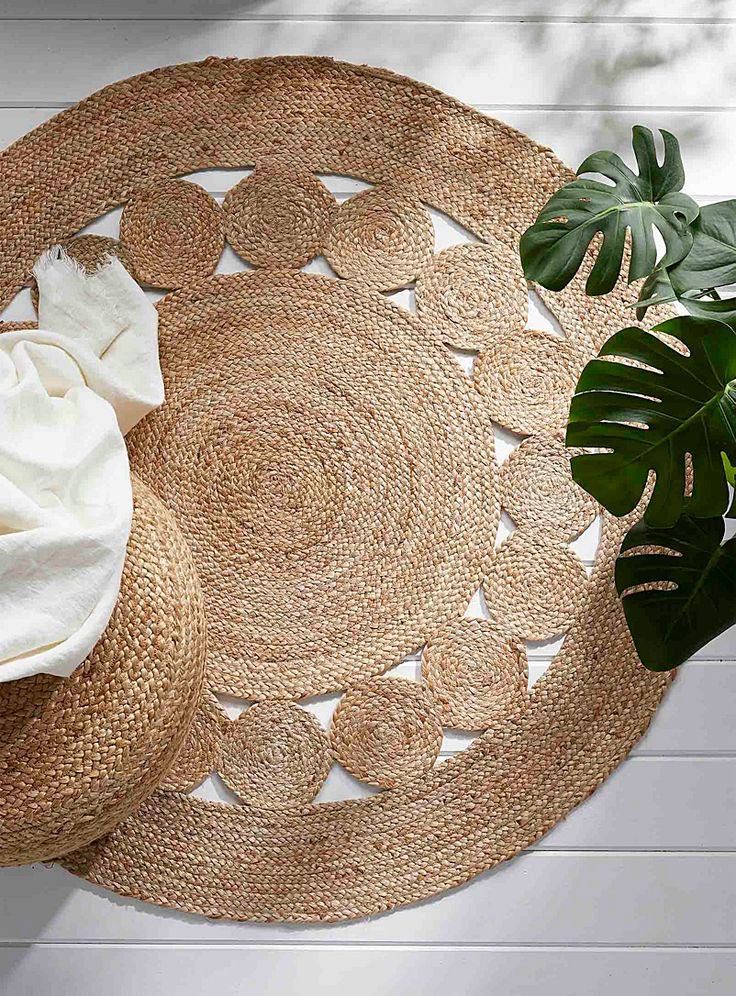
333 470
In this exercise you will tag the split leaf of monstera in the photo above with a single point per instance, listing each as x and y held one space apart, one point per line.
652 415
553 249
695 595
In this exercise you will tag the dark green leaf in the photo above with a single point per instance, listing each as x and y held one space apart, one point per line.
669 625
722 311
553 249
711 261
650 419
656 289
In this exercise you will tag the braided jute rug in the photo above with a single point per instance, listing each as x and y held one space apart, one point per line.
332 469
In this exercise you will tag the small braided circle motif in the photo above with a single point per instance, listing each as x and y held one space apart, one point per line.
278 217
380 238
173 232
472 294
477 673
537 489
386 731
528 378
275 754
334 475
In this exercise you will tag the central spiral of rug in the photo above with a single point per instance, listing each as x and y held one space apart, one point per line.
332 471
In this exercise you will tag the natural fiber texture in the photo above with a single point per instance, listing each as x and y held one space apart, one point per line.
386 731
173 232
322 410
91 252
17 326
381 238
78 755
336 514
477 673
473 294
200 753
278 217
537 586
275 754
537 489
528 378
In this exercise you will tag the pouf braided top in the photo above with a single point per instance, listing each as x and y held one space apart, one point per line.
78 755
336 475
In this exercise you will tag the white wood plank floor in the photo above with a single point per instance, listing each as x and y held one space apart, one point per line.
636 891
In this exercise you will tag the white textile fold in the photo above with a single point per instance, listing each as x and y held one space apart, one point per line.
68 393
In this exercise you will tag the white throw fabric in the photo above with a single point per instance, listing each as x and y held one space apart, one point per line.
68 393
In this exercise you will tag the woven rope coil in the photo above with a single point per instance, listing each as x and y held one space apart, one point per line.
472 294
537 489
537 586
199 755
528 378
381 238
173 232
523 773
278 217
275 754
78 755
386 731
307 470
477 673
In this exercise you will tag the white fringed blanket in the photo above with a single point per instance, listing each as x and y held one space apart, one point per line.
69 391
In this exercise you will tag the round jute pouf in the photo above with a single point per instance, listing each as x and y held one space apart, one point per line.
333 470
78 755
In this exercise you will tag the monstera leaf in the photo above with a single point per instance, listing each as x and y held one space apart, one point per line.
555 245
696 603
658 289
711 261
651 417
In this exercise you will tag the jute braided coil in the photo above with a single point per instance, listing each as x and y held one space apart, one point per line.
435 829
173 232
278 217
332 471
79 755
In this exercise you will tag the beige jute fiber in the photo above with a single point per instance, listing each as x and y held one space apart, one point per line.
173 232
386 731
275 754
278 216
333 472
478 674
537 488
472 294
77 755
